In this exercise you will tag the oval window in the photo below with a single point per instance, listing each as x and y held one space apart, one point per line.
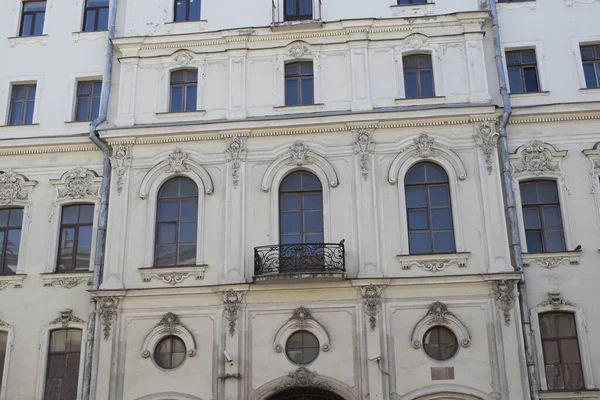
302 347
440 343
170 352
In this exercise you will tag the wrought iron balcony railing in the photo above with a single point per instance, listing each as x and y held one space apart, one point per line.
306 259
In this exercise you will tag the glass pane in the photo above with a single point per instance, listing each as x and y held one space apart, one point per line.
573 377
170 189
312 201
29 107
531 82
310 355
12 249
310 182
570 351
83 88
410 84
295 356
57 340
528 193
290 239
82 109
409 62
441 218
435 173
310 340
34 6
292 69
419 242
591 80
71 378
293 182
38 28
15 113
289 202
554 377
102 19
165 254
70 214
555 240
415 196
166 232
4 215
443 242
290 222
552 217
86 214
513 58
551 355
176 98
167 210
26 26
177 359
528 57
291 92
417 219
55 366
194 10
65 253
425 61
16 217
314 238
548 327
189 209
84 247
306 68
439 196
307 91
532 218
427 84
416 174
305 7
95 108
190 100
587 52
178 77
188 232
187 187
178 345
164 360
187 254
548 193
295 341
3 343
534 241
313 221
566 325
514 78
180 6
90 20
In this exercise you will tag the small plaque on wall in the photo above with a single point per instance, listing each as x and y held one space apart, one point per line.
442 373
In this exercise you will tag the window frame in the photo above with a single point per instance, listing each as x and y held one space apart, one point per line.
301 332
64 353
77 225
596 62
278 14
298 77
435 52
28 87
187 12
22 18
418 71
171 337
4 241
10 331
89 97
287 17
97 9
185 86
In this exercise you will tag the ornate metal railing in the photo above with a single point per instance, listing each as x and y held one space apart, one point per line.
300 258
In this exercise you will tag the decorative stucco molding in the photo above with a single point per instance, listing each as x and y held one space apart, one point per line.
426 148
303 377
77 184
504 294
364 147
551 260
415 41
433 262
232 306
371 298
173 275
538 159
15 280
438 314
301 319
177 162
235 154
298 50
299 154
120 161
66 317
107 306
183 57
556 301
67 280
168 325
486 138
14 188
593 155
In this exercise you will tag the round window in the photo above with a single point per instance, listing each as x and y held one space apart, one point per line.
440 343
170 352
302 347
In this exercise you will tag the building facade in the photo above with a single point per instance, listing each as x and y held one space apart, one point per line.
305 201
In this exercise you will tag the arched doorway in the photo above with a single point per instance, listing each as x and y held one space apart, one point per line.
305 394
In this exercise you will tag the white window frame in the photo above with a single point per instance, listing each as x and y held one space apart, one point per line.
22 80
304 54
580 325
576 44
427 48
170 66
10 330
19 6
540 55
279 17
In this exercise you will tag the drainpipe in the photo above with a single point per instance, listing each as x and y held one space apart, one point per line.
104 193
510 207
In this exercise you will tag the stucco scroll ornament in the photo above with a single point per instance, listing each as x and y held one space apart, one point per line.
120 161
486 138
235 155
11 187
66 316
303 377
68 282
371 299
169 323
232 305
108 310
416 41
301 316
299 152
79 183
4 323
364 147
177 160
504 297
439 313
183 58
297 50
556 301
536 158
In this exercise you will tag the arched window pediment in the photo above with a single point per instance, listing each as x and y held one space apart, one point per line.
169 325
438 314
301 319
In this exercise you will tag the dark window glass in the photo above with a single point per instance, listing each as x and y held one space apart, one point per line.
170 352
299 86
440 343
522 71
297 10
300 209
21 105
75 243
590 55
11 220
418 76
3 344
562 360
302 347
62 368
184 86
428 207
176 223
411 2
88 100
32 18
542 217
187 10
95 16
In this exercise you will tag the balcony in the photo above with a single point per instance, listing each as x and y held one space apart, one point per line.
322 261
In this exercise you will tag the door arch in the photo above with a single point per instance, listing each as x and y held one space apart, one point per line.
305 394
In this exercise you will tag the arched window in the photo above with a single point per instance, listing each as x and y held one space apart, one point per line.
184 90
176 223
429 211
299 84
300 209
62 372
418 76
11 220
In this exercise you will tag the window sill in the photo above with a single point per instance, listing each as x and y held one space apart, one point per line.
22 126
173 275
42 39
67 280
181 116
91 35
421 101
516 4
185 26
590 90
296 25
433 262
412 10
15 280
551 260
531 94
305 109
583 394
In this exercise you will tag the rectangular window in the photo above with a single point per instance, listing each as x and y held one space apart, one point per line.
96 15
22 102
411 2
522 71
562 361
297 10
11 220
184 90
32 18
418 76
299 84
542 217
75 242
590 56
88 100
62 368
3 344
187 10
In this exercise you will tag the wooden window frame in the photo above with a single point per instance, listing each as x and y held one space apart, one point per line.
35 15
29 88
187 11
418 70
298 78
4 242
49 353
75 238
595 61
521 66
90 97
412 2
96 16
184 85
296 16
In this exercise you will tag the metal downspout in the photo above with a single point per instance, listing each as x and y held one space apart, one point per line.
104 196
510 207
